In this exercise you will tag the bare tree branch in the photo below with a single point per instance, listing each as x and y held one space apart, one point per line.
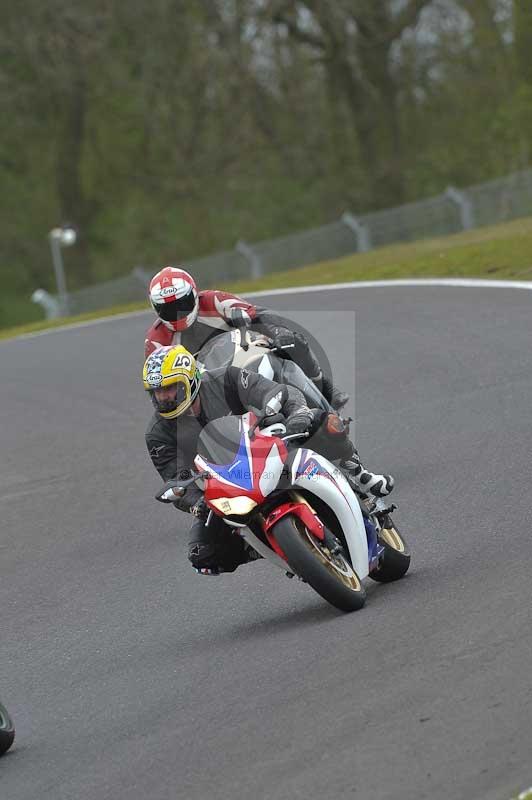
285 13
406 18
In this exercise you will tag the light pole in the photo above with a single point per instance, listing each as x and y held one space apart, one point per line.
61 237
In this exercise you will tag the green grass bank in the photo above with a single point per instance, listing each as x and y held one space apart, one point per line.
497 252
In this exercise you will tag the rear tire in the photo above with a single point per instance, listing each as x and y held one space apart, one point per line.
395 560
331 576
7 730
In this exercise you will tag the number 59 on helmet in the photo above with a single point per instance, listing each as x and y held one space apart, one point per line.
172 379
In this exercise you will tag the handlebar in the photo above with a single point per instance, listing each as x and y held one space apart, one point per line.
173 490
282 349
274 419
304 435
244 343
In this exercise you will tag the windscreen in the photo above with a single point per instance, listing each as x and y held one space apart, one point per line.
218 353
219 440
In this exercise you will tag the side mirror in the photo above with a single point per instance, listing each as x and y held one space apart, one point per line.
170 493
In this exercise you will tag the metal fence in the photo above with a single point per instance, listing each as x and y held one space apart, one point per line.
453 211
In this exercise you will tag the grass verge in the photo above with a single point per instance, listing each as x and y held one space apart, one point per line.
45 324
501 251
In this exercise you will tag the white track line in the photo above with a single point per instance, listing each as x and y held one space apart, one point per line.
470 283
473 283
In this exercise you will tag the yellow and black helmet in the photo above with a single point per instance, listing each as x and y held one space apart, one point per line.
172 378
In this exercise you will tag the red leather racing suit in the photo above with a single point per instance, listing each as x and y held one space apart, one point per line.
214 317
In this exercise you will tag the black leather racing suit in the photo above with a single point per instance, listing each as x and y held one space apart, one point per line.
259 319
172 445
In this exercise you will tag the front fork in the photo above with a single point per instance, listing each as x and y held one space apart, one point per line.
374 512
298 508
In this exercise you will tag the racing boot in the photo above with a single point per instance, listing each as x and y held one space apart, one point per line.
366 483
310 365
332 393
249 554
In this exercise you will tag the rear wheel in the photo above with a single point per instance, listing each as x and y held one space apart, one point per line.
395 560
7 730
329 574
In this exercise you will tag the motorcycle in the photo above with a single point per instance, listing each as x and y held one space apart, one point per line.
294 507
245 348
7 730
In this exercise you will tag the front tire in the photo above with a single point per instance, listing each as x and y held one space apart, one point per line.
395 560
331 576
7 730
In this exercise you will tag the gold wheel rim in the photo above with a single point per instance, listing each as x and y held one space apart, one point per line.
347 575
392 538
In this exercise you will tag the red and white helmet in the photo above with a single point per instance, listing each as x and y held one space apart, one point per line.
174 297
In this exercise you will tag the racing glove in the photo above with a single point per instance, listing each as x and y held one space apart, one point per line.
304 420
200 509
283 338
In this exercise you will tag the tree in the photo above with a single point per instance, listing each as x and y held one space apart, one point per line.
523 39
355 41
169 130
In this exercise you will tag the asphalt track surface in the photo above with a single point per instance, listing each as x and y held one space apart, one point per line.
131 677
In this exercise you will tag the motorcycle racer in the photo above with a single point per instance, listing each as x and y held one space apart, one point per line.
185 401
191 317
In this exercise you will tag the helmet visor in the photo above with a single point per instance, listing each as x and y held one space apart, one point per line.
176 309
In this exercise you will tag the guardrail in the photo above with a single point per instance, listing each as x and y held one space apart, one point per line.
451 212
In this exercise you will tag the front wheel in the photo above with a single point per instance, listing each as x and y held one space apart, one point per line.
7 730
330 575
395 560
